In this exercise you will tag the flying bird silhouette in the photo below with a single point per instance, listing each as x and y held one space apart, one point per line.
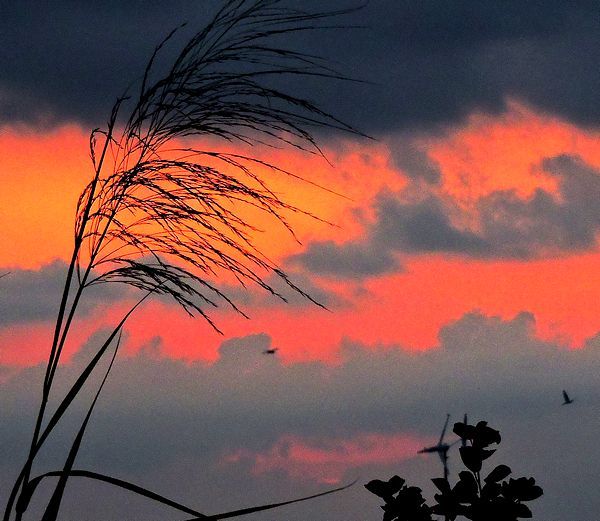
566 398
270 351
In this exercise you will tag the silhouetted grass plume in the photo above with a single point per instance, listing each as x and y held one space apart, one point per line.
162 215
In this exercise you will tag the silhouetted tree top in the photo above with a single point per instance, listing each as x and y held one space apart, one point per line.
474 497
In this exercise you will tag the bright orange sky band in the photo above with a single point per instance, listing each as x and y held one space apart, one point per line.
43 173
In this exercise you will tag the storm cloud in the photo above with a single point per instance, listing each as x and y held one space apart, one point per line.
507 225
427 64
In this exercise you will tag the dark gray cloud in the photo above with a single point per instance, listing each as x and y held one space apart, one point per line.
34 295
431 63
353 259
414 161
508 226
545 224
169 425
71 60
422 226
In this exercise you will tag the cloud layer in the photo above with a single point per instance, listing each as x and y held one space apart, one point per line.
429 64
248 428
506 225
33 295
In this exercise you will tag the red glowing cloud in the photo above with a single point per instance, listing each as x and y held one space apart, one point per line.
329 461
43 175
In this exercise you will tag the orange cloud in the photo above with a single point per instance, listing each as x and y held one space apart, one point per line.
29 343
43 175
561 293
504 152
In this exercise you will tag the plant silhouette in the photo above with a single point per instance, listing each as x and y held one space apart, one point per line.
162 215
489 498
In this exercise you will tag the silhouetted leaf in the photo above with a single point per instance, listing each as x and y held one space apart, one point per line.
448 506
486 453
385 489
522 489
498 474
485 436
466 488
523 510
377 487
389 516
396 483
409 504
442 485
491 490
471 457
464 430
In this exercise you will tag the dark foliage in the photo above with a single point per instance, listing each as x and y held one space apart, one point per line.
491 498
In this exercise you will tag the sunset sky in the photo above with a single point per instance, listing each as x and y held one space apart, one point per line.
459 265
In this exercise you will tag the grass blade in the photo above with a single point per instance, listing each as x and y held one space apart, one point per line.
251 510
51 513
118 483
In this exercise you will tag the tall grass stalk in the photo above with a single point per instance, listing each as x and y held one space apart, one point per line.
163 216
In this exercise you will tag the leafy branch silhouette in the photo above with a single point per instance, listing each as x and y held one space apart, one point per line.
492 498
163 216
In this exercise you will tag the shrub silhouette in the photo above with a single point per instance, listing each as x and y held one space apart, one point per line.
489 498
